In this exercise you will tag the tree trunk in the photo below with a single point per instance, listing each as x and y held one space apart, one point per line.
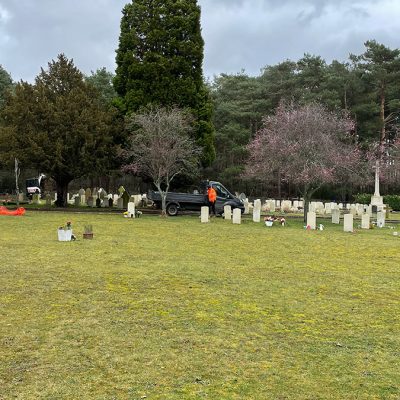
279 185
62 190
382 117
306 207
163 195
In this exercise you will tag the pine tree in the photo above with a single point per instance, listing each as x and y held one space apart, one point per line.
159 63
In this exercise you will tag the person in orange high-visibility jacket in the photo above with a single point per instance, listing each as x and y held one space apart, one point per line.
212 198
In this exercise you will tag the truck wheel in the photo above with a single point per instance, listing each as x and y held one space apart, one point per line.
172 210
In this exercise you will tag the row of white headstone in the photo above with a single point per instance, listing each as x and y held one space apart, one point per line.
234 215
348 220
318 207
117 200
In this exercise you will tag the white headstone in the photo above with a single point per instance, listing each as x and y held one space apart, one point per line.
365 221
237 216
335 216
380 219
131 210
227 212
120 202
271 205
246 206
348 223
286 205
257 210
312 219
204 214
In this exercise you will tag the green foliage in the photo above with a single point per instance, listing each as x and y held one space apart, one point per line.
6 84
393 201
159 62
102 81
377 102
362 198
58 126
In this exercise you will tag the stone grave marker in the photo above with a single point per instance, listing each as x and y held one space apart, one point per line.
237 216
348 223
312 220
246 206
257 210
205 214
125 197
120 203
335 216
227 212
131 210
365 221
380 219
271 205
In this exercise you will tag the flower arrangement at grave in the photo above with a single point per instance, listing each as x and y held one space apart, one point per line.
65 232
66 227
269 220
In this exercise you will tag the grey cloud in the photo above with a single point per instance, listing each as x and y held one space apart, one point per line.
238 34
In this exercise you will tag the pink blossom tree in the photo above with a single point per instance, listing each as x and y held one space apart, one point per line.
307 146
160 147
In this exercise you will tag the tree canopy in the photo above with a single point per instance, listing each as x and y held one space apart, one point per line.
159 62
308 146
59 125
6 84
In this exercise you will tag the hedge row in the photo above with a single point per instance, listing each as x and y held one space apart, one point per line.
393 200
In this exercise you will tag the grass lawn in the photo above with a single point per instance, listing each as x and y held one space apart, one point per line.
175 309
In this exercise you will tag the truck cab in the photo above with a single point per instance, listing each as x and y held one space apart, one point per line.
35 186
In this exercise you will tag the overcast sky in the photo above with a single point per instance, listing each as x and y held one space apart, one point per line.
238 34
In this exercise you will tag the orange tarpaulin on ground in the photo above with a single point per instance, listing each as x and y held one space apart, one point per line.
17 212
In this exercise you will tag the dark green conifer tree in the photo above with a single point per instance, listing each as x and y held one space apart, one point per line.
159 62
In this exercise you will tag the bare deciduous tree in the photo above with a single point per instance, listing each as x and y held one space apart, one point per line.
160 147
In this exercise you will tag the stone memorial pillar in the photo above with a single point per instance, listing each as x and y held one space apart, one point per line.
312 220
204 214
228 212
237 216
365 221
348 223
257 211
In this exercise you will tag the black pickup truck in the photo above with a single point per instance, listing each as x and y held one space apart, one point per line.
194 201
